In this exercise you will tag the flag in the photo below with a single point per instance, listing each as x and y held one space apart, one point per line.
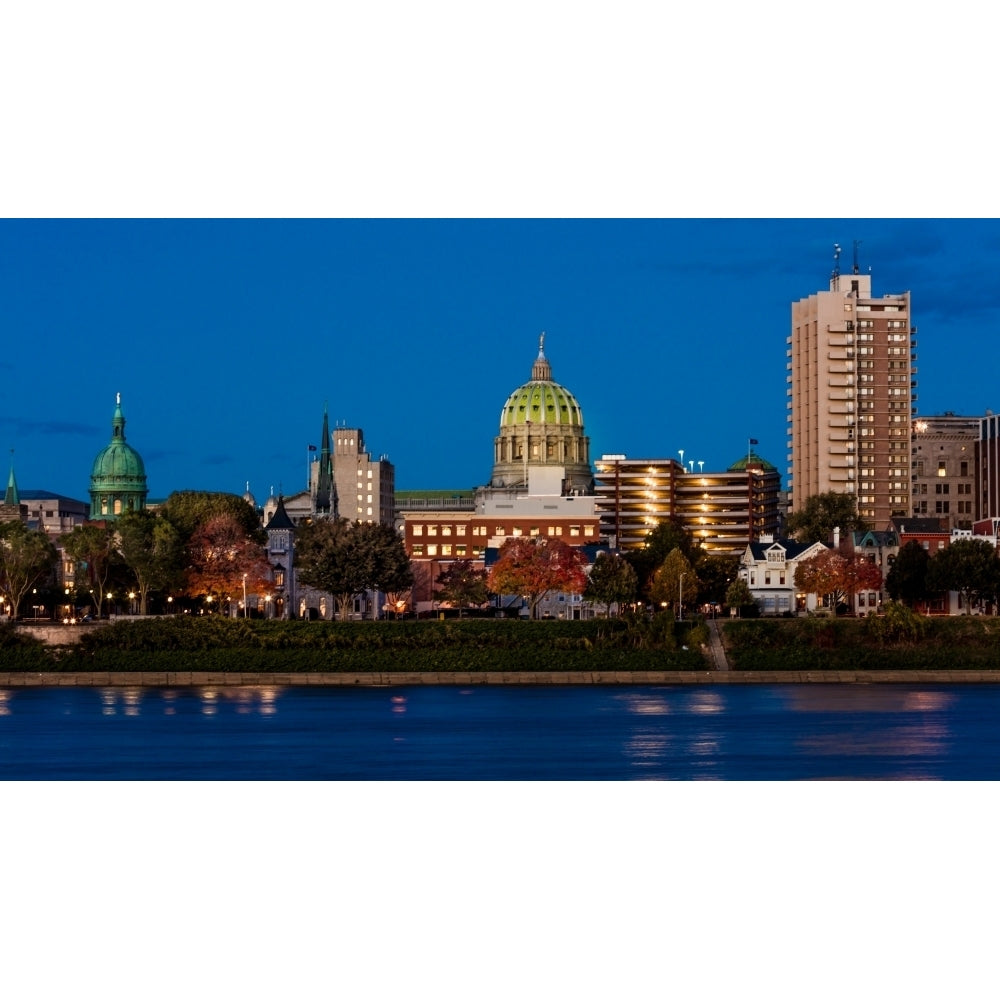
754 441
312 447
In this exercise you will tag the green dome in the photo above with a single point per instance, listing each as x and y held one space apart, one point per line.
752 459
118 476
541 402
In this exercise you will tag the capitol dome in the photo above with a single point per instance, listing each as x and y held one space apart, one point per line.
541 424
118 476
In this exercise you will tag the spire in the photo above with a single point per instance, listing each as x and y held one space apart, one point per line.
11 498
325 499
118 420
541 371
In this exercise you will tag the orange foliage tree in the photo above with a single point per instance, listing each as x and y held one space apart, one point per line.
219 555
828 573
533 567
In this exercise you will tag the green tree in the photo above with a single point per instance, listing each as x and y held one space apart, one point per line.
822 513
92 549
612 580
151 548
738 594
532 567
189 509
716 573
344 558
462 585
969 566
668 535
906 580
674 580
27 558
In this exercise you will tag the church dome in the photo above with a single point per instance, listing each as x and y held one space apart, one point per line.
541 424
118 476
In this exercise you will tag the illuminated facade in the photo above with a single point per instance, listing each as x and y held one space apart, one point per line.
944 452
723 510
851 381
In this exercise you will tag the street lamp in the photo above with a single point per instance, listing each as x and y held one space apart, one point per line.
244 595
680 600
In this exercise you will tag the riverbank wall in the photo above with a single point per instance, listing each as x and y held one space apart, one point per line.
204 679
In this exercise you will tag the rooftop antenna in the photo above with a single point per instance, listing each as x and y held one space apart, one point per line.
857 243
835 276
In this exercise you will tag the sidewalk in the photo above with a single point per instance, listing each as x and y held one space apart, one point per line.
719 661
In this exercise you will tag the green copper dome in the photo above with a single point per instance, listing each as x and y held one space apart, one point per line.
118 476
754 460
541 401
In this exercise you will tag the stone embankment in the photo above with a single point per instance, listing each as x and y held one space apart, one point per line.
398 678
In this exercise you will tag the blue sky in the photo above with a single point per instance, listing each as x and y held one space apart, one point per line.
226 338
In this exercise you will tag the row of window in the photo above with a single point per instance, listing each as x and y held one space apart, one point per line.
458 551
553 530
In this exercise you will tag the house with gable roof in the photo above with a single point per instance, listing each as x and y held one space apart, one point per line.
768 569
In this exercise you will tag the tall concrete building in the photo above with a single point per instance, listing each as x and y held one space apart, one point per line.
851 399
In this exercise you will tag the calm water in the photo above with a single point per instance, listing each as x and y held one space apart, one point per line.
522 733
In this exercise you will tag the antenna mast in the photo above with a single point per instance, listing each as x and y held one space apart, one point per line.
857 243
835 276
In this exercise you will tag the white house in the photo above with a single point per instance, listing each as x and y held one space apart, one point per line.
768 569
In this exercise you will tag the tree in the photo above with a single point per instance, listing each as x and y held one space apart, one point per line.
344 558
151 548
532 567
612 581
738 594
27 557
906 580
92 548
825 574
220 554
822 513
673 581
660 542
189 509
716 572
861 573
462 585
969 566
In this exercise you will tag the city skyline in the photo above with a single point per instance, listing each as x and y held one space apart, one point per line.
226 339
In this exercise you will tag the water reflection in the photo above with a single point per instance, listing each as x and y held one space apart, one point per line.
863 698
4 703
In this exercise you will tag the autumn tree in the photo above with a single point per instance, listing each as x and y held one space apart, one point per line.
716 573
533 567
344 558
463 585
219 555
969 566
825 574
27 558
92 549
612 580
906 580
822 513
189 510
151 548
860 574
675 581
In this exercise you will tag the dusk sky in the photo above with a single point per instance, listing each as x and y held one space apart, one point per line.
226 338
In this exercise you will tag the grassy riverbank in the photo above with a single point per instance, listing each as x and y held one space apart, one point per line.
899 640
222 644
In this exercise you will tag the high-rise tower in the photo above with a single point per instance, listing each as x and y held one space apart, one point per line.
851 381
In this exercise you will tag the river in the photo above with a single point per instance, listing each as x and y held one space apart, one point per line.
523 733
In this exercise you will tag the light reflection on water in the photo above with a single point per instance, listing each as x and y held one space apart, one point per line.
776 732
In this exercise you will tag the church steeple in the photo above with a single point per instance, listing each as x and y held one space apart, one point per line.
325 497
11 498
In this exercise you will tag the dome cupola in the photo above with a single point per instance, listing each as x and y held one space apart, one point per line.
118 476
541 424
